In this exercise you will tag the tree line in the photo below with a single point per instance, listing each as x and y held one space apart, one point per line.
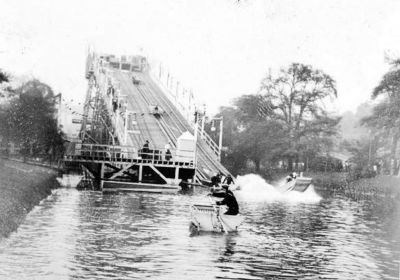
384 123
28 119
286 124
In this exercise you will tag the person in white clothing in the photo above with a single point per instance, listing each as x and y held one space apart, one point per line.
167 150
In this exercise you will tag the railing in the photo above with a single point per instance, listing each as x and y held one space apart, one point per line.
183 105
98 152
209 141
104 81
115 104
173 97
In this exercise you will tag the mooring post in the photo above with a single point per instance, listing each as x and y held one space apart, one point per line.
140 172
101 176
177 173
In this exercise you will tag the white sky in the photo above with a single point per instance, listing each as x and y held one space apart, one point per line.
219 48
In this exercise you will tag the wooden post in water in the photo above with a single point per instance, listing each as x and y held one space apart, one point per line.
101 176
140 172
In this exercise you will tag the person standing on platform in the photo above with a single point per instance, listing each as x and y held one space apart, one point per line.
167 146
167 151
168 155
146 149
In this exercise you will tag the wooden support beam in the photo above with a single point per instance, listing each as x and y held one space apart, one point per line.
121 171
113 167
194 176
158 172
177 173
86 170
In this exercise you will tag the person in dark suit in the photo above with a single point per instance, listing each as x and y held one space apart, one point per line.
215 180
228 180
229 200
146 150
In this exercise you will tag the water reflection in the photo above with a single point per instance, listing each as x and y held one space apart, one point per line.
86 235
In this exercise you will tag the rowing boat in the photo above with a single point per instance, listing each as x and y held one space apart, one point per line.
210 217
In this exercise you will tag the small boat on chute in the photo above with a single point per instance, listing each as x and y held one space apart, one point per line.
295 183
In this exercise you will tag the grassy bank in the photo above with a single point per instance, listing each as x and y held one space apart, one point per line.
329 181
380 187
364 187
22 186
380 194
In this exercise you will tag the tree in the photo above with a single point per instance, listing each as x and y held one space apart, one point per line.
252 107
29 120
262 143
360 151
385 118
3 77
231 118
261 138
350 127
250 135
317 141
296 98
286 119
5 88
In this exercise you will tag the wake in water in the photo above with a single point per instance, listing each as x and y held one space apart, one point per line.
255 188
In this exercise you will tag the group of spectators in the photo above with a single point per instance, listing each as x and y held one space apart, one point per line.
147 153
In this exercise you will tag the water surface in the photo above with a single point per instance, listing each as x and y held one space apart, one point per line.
88 235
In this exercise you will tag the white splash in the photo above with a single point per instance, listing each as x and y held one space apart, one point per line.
69 181
255 188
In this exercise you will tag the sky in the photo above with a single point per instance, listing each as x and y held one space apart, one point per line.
220 49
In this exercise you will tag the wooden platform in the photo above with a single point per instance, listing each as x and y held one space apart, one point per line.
117 186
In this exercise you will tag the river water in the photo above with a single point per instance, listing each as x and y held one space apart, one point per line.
89 235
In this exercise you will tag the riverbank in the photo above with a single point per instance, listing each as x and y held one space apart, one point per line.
22 187
343 182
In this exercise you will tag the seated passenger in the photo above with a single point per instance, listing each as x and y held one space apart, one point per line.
145 150
229 200
228 180
168 155
291 177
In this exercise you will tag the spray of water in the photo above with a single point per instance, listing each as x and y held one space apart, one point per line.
69 181
255 188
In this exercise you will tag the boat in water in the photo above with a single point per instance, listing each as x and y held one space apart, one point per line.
298 184
210 217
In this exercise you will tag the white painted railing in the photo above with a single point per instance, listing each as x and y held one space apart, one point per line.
208 140
110 153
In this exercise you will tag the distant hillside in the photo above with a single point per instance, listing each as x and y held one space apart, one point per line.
350 123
